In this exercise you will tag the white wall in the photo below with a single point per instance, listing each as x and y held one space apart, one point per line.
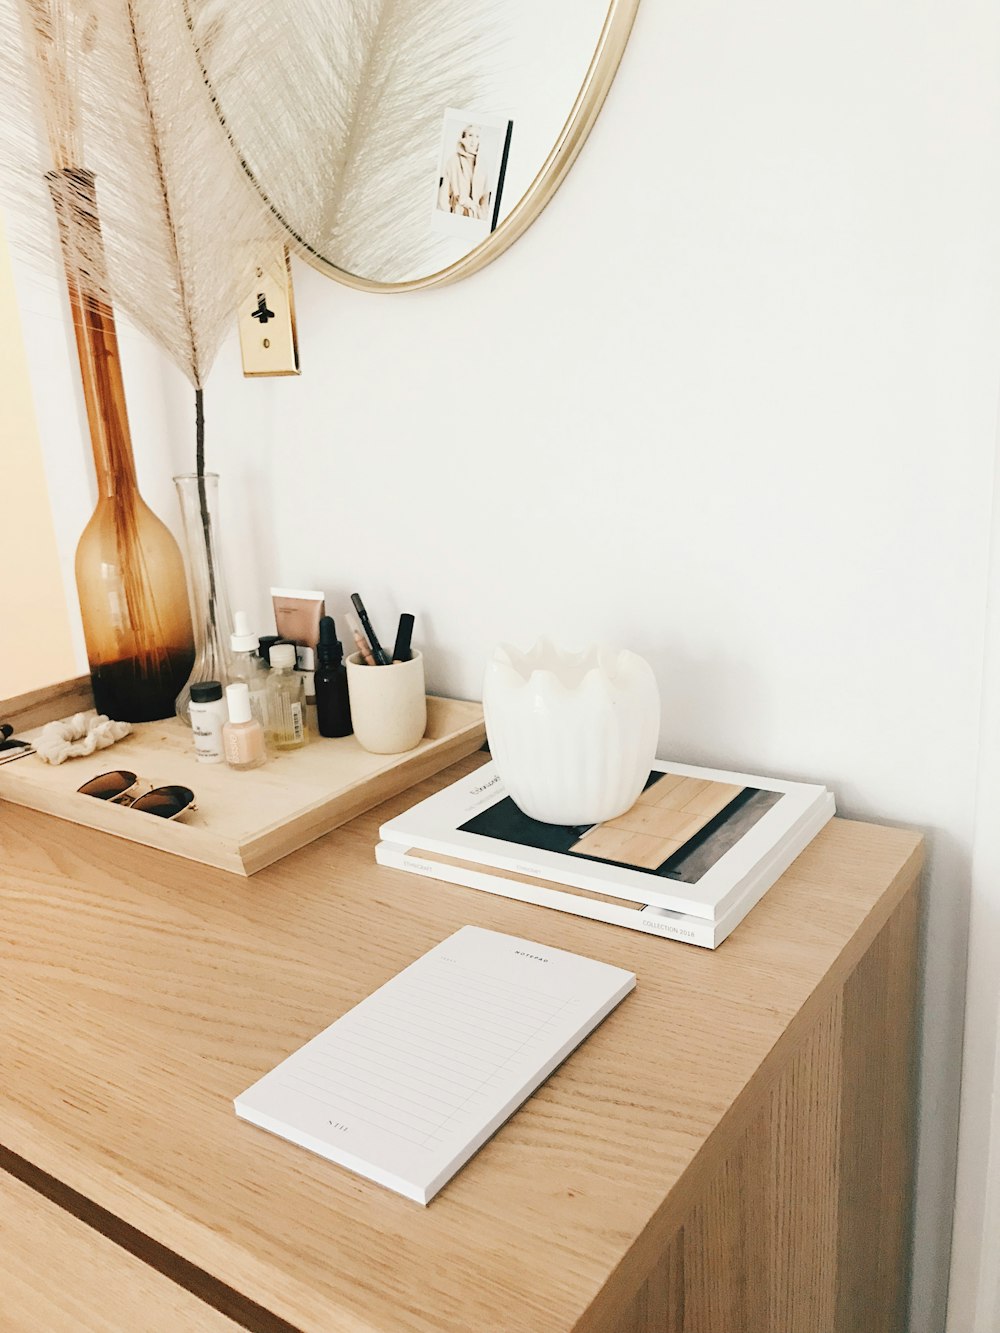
35 600
974 1304
732 402
58 400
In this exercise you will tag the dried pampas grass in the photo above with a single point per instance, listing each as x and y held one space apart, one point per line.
360 86
119 91
104 102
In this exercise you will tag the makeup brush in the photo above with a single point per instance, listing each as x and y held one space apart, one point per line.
361 642
378 652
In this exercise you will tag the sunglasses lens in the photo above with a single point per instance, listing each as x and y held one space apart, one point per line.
165 801
108 785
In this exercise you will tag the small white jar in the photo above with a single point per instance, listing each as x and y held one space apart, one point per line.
208 716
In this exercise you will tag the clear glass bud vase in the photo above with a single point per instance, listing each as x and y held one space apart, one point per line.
210 613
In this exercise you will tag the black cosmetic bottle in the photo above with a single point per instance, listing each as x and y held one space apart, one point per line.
333 708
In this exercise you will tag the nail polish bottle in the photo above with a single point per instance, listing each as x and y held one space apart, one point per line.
242 736
333 707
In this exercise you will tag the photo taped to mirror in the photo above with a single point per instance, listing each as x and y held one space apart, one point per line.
472 163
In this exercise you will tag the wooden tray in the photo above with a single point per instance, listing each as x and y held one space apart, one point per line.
244 821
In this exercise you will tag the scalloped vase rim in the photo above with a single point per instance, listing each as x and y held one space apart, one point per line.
573 735
608 661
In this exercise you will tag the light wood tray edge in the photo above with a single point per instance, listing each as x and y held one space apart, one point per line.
245 857
50 703
400 773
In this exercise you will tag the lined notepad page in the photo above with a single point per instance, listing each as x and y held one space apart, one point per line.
410 1082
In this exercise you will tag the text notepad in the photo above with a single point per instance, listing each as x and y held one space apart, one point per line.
410 1082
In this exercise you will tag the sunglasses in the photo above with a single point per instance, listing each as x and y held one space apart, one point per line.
123 788
10 747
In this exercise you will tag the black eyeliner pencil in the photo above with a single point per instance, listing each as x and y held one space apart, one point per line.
401 652
378 652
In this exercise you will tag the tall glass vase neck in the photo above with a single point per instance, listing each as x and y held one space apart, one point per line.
104 394
210 613
74 197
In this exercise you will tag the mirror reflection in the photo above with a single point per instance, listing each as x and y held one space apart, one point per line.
393 137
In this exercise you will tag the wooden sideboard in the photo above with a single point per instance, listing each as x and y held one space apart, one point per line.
730 1152
59 1275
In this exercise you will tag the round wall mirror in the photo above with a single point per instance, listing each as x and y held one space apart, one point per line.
404 143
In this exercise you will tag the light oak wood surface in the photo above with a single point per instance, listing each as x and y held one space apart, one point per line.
34 709
243 821
665 816
141 994
87 1282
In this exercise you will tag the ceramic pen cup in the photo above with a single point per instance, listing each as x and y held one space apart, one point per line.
388 703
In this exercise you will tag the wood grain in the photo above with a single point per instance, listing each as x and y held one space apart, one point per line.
139 998
658 1305
877 1101
59 1276
802 1227
244 821
666 816
25 712
800 1139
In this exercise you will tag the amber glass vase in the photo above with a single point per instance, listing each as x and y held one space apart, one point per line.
129 569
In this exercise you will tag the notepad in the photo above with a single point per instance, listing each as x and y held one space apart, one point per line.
408 1084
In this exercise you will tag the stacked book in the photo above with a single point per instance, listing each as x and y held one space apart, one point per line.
698 849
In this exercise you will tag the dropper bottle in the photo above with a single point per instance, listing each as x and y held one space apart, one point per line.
248 667
333 707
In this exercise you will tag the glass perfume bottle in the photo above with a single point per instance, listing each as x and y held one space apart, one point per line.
286 700
129 570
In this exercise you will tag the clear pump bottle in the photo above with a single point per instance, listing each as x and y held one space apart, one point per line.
286 700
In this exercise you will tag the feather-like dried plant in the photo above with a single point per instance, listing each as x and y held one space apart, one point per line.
362 86
122 95
155 214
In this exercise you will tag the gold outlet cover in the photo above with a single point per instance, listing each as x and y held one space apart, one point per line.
267 320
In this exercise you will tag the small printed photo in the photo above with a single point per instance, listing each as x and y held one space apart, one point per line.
472 164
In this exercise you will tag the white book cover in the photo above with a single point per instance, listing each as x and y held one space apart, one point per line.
408 1084
697 842
648 920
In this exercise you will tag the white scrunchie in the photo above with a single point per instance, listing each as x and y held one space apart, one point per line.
78 735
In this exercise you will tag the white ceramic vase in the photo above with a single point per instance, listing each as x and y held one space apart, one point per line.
573 735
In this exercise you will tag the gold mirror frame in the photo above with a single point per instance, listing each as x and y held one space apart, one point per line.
596 85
